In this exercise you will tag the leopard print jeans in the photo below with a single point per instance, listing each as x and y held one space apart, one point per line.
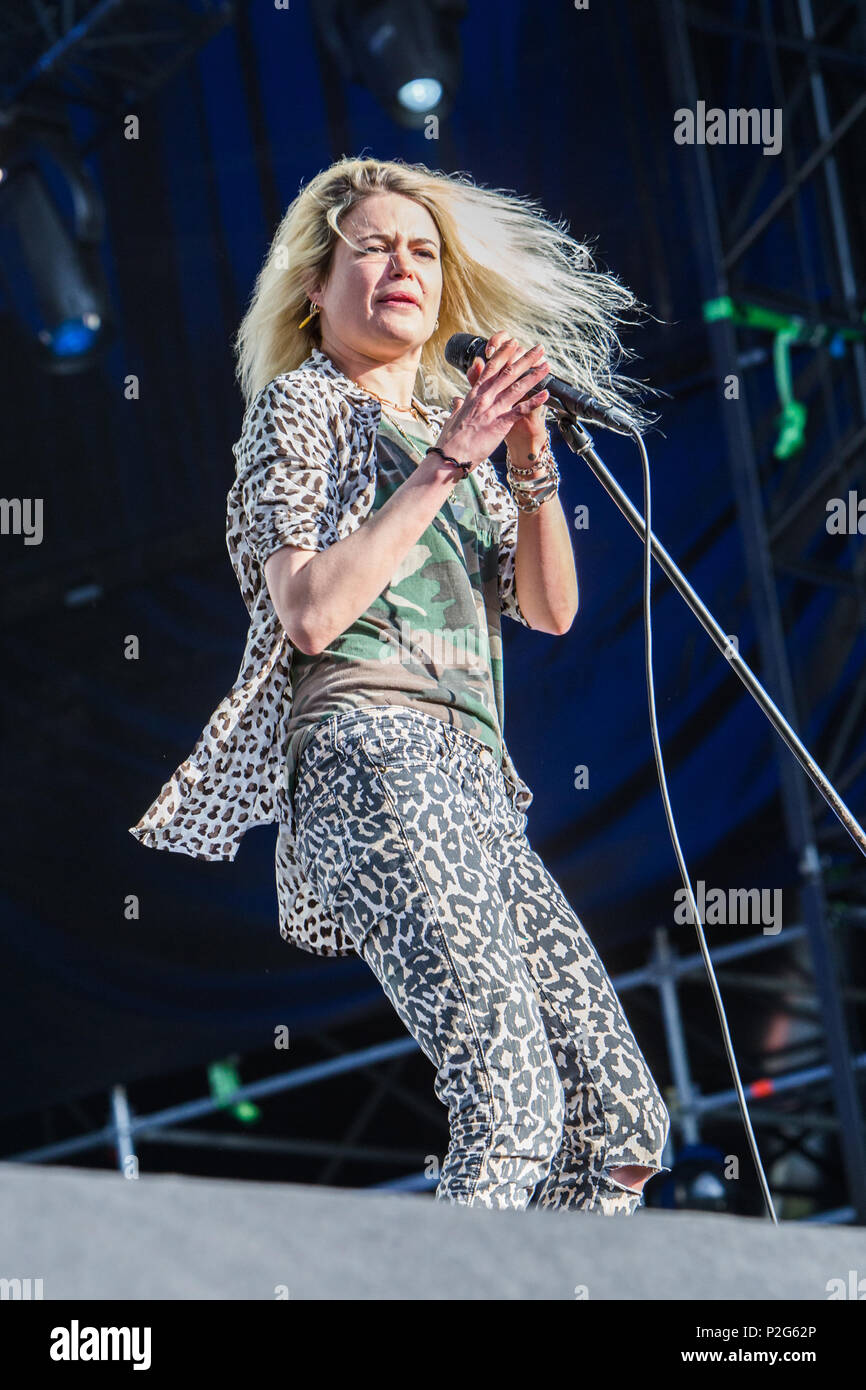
407 834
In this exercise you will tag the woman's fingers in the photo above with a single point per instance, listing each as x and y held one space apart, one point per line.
499 353
507 362
476 367
496 341
526 407
512 390
499 385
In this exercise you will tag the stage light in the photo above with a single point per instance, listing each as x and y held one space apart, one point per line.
406 52
50 262
73 337
421 94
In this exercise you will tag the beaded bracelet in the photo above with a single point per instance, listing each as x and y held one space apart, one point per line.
528 491
545 458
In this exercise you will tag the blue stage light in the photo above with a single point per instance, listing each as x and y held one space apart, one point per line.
421 94
74 337
407 53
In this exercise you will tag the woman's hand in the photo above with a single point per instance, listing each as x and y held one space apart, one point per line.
492 409
528 436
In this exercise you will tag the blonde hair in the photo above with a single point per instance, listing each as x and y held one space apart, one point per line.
505 265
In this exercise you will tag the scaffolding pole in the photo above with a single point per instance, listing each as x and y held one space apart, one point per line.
715 283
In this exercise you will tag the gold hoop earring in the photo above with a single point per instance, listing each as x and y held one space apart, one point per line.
311 315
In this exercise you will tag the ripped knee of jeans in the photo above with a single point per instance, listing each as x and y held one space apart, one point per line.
651 1171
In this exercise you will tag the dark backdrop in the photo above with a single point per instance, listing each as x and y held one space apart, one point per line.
571 108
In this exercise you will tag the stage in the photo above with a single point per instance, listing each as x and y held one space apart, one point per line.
96 1235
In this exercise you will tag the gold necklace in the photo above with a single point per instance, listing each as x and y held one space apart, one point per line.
413 444
414 408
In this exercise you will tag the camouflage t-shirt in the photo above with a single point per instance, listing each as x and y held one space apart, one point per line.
432 639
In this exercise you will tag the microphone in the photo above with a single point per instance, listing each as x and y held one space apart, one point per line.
461 348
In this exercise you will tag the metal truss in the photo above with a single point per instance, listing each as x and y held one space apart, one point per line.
107 56
799 203
125 1130
380 1064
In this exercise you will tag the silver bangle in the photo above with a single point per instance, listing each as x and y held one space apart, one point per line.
529 485
530 492
531 501
531 504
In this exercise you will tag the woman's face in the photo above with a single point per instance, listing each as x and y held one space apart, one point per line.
382 300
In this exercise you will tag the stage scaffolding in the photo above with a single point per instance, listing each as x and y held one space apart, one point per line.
787 461
125 1131
102 57
811 67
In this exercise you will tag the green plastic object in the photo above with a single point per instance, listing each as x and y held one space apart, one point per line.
792 430
747 315
792 420
786 329
224 1081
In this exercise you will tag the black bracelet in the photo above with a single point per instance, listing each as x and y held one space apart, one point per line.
465 466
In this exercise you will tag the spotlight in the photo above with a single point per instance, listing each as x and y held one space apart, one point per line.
53 278
421 94
406 52
72 337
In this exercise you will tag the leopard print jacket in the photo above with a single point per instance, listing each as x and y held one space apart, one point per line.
305 475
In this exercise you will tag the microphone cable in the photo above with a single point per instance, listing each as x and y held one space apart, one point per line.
669 815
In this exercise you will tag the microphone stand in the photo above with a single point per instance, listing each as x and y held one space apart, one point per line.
580 442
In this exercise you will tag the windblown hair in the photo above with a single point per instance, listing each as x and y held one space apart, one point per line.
505 265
